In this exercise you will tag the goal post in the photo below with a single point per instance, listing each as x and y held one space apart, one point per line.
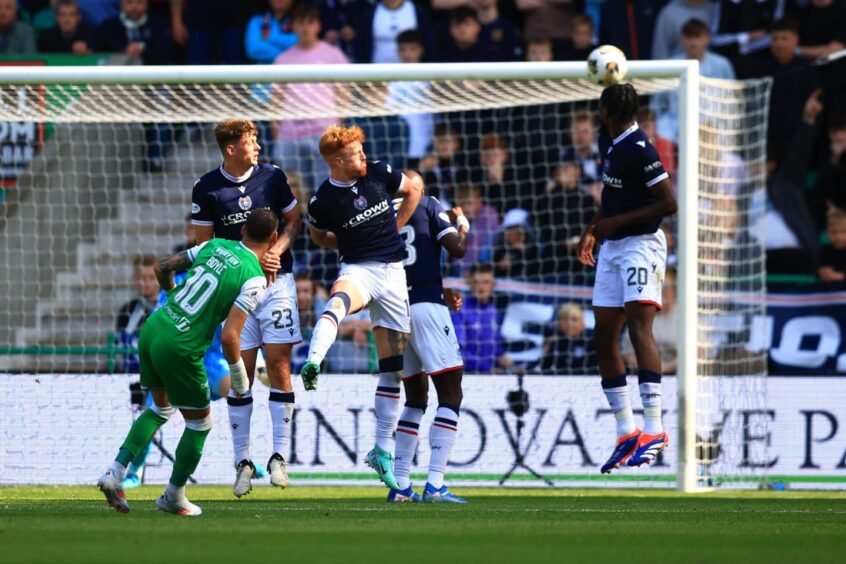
79 96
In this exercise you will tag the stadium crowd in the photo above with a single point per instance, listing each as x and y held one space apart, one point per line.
528 178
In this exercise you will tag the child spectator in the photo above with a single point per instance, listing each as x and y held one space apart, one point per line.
485 222
581 41
584 150
16 37
562 211
569 350
297 139
70 34
137 33
666 42
498 33
516 254
477 324
539 50
464 45
440 170
270 34
833 255
412 49
497 177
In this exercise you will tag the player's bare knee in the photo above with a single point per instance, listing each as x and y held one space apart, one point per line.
416 389
448 386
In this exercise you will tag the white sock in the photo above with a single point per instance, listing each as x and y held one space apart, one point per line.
175 493
387 403
441 439
407 437
240 412
326 328
281 406
618 400
650 395
119 470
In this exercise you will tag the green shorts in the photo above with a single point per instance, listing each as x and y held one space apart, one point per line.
163 366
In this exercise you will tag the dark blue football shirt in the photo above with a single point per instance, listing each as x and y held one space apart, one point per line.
225 202
422 235
360 215
630 166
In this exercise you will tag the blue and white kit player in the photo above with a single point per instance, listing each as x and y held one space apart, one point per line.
352 212
221 202
433 349
636 196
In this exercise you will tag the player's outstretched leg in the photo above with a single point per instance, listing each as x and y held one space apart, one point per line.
617 393
324 335
653 439
188 454
143 428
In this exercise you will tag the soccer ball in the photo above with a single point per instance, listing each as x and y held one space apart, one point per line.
607 65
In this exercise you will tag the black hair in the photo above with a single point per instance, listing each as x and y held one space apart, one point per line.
305 11
694 27
458 15
411 36
785 24
261 224
621 103
481 268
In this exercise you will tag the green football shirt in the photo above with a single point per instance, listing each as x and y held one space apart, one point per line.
224 273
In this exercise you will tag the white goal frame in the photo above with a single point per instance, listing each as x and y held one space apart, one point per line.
686 71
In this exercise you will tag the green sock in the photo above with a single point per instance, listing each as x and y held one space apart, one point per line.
139 435
188 454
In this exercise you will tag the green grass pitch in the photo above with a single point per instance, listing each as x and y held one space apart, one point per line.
312 525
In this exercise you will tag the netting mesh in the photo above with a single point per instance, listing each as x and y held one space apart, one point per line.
110 182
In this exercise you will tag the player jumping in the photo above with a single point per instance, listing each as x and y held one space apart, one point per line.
433 347
636 195
352 211
225 282
221 202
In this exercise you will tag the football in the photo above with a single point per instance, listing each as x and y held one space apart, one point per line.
607 65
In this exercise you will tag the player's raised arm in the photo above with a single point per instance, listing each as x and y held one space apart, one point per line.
456 242
410 190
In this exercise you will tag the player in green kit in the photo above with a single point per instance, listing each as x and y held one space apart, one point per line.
225 282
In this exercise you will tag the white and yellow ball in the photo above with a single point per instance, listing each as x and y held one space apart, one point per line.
607 65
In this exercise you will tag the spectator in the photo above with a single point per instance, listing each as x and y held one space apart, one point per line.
497 32
833 256
669 28
412 49
477 324
665 148
297 139
789 233
137 33
630 25
96 12
16 37
694 41
739 27
822 27
440 170
485 222
832 173
270 34
562 211
581 41
664 328
539 50
190 237
70 34
547 18
516 254
212 31
134 313
378 25
569 350
497 177
585 151
464 44
793 81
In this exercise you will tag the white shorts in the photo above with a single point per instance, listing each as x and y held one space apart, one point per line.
433 347
631 270
381 286
276 320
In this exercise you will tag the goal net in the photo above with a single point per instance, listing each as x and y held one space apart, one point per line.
97 180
